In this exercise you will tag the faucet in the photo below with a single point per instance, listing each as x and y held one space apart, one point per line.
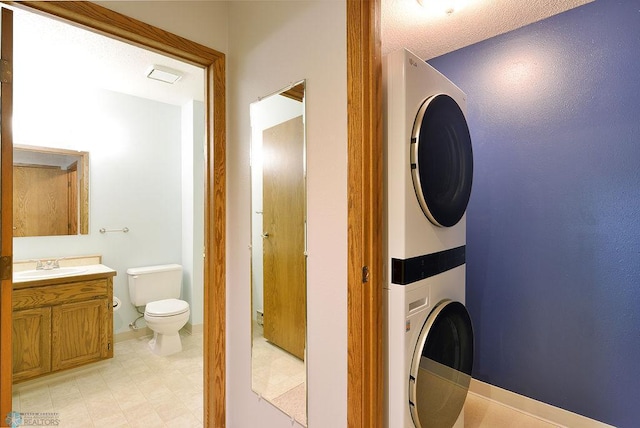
48 264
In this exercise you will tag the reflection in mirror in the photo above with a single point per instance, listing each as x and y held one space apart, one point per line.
278 255
50 191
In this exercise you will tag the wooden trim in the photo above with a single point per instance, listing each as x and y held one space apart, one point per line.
364 119
83 197
112 24
6 228
82 223
295 93
215 243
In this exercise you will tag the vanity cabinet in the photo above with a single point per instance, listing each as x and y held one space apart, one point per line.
60 323
31 343
80 333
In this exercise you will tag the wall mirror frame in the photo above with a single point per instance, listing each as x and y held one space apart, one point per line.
278 250
50 191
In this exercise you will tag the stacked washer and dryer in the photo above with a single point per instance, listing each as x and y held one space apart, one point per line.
429 168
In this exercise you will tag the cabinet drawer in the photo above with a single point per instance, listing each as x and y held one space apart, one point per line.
57 294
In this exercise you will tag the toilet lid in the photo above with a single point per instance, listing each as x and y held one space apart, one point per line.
167 307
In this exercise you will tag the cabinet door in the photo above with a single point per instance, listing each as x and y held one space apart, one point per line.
31 337
79 333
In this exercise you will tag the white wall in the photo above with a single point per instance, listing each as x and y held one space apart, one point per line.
204 22
270 44
193 146
273 44
134 178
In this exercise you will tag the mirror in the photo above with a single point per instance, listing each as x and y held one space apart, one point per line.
278 250
50 191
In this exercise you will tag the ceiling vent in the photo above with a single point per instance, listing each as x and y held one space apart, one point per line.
164 74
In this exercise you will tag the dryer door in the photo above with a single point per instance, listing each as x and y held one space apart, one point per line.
441 366
441 160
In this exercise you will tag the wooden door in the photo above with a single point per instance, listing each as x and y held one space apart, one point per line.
31 343
40 201
285 272
6 212
79 333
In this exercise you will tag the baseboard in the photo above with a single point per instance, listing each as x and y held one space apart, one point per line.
132 334
146 331
193 328
538 409
38 382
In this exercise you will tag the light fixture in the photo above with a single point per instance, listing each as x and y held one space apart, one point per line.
443 6
164 74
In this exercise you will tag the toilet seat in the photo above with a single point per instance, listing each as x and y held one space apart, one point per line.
166 308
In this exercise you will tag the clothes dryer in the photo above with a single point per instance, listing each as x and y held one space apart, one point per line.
429 168
428 176
431 341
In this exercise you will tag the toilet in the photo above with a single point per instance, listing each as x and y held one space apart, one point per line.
158 289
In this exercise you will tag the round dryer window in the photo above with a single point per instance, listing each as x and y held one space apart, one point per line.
441 366
441 160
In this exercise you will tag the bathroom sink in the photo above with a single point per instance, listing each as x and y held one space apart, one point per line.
48 273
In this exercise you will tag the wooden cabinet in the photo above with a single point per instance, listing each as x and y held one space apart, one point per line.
31 343
61 323
80 333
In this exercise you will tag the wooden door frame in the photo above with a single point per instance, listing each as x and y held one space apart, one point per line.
365 353
115 25
364 193
6 234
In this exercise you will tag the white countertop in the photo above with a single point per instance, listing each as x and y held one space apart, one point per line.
62 272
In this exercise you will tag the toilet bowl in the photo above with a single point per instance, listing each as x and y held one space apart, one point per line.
158 289
165 318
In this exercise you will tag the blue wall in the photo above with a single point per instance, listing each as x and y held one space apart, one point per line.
553 255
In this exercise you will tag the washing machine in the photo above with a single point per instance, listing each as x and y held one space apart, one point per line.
428 178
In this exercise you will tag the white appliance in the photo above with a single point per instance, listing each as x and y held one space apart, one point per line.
158 288
428 176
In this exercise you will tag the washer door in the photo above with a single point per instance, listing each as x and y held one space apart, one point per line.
441 160
441 366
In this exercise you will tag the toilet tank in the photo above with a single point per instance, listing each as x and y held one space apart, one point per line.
151 283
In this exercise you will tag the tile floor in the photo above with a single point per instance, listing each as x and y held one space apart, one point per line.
134 389
139 389
278 376
480 412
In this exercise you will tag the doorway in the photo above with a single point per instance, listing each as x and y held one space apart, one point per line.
111 23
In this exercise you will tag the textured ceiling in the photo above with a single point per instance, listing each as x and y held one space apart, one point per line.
57 54
52 55
429 33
